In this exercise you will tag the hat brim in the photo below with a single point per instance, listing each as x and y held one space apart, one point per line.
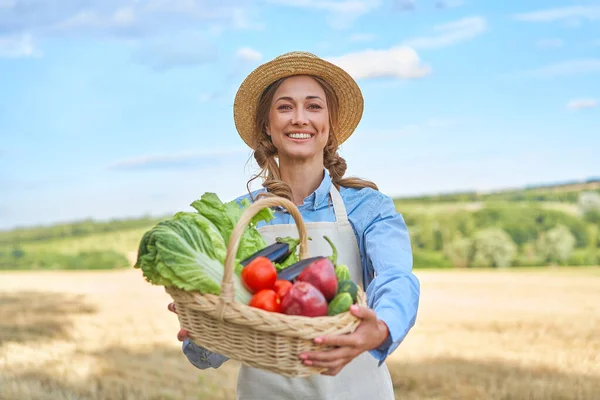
349 95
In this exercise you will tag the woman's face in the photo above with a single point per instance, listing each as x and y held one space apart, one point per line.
299 119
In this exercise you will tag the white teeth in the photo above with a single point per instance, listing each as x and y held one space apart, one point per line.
300 135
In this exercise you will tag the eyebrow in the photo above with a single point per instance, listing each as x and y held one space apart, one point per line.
307 98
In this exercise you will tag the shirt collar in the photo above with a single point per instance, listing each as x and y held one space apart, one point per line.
320 195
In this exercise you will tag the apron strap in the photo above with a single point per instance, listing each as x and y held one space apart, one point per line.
341 217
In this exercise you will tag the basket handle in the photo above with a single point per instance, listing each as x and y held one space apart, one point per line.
227 288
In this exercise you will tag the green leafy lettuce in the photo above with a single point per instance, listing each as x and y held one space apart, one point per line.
225 215
188 250
293 257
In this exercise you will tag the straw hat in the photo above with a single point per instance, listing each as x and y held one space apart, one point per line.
297 63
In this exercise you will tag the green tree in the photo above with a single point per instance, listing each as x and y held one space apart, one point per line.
589 206
525 223
426 234
17 253
459 251
556 245
493 247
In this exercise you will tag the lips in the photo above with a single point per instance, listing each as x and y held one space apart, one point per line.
300 135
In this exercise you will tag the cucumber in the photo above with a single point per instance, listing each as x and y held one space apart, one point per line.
348 286
340 303
342 273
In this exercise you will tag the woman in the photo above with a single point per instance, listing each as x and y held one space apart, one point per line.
294 112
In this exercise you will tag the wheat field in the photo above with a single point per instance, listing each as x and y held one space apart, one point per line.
529 334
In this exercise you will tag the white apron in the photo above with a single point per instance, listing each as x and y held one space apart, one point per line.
362 378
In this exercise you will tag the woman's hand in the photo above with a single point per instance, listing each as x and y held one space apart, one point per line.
370 334
182 334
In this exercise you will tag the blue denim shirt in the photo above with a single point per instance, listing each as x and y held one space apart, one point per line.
392 289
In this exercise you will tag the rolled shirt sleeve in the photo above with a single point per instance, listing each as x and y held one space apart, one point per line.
394 291
200 357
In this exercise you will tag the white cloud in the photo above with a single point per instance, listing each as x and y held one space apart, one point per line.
550 43
405 5
177 160
83 19
562 13
108 18
144 23
572 67
180 49
450 33
362 37
342 13
124 16
399 62
449 4
336 6
578 104
215 30
18 46
243 20
158 193
177 6
248 54
367 137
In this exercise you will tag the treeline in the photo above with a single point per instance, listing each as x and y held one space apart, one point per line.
18 259
72 230
507 234
15 254
567 193
497 233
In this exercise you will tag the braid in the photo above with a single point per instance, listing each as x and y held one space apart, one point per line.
337 166
265 154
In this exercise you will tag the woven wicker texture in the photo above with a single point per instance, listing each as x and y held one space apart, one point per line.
297 63
260 339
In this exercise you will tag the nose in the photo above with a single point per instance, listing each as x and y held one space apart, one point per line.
299 116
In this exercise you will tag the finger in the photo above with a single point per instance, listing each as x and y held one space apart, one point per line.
332 365
171 307
364 313
348 340
328 356
182 335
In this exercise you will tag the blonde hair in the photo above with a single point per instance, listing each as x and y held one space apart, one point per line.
265 153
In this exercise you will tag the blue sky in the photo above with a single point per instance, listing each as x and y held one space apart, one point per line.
124 108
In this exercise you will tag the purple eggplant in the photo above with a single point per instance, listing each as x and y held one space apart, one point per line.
276 252
290 273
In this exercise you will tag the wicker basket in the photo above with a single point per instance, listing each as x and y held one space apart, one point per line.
257 338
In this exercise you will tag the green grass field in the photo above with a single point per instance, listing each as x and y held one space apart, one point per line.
125 241
407 207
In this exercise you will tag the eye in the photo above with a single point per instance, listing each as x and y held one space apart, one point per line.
284 107
315 106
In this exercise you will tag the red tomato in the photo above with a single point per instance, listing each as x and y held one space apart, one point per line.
266 299
259 274
282 287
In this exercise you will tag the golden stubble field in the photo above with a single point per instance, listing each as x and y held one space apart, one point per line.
479 335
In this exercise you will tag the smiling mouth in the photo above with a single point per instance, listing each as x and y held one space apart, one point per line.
299 136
